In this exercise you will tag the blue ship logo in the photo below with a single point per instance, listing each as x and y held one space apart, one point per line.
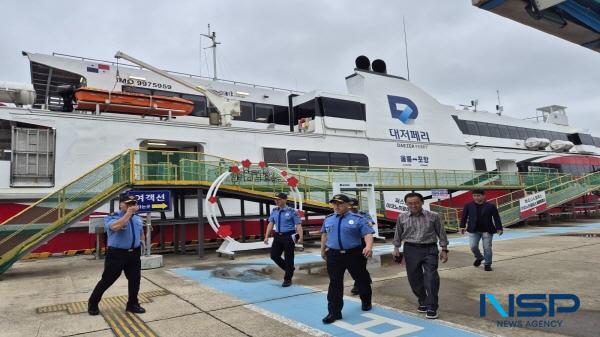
403 109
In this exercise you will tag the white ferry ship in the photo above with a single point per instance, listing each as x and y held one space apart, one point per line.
48 138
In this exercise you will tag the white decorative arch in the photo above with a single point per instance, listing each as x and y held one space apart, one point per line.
231 245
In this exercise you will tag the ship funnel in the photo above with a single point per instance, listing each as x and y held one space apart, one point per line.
362 62
379 66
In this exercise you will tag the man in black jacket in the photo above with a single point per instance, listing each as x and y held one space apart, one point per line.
483 222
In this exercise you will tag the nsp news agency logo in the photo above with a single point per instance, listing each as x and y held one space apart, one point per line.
531 306
403 109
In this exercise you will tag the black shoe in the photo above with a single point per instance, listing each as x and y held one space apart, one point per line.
477 262
354 290
135 308
367 307
422 309
488 267
431 314
93 310
330 318
286 283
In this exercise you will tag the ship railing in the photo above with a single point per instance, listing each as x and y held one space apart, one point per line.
113 63
48 216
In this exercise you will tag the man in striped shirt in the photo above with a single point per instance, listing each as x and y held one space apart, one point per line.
420 231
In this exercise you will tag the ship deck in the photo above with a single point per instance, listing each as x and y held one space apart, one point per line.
243 297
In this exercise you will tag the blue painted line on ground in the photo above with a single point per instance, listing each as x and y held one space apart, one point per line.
308 306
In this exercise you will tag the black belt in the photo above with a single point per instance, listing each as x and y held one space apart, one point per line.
286 233
414 244
123 249
347 251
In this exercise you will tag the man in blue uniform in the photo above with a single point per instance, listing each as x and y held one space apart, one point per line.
354 209
124 230
286 226
342 249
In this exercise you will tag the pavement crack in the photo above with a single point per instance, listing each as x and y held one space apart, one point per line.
197 307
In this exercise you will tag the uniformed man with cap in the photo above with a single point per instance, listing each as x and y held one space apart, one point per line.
124 229
286 226
342 249
354 209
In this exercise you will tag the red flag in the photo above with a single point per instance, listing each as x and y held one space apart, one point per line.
212 199
103 66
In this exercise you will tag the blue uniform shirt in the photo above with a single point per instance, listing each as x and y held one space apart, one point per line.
345 231
367 216
285 219
127 237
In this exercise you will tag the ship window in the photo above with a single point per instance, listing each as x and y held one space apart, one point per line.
281 115
358 160
460 123
483 129
539 133
305 110
494 131
479 165
503 131
522 133
165 93
274 156
586 139
514 132
263 113
246 112
297 157
339 159
318 158
199 104
339 108
472 128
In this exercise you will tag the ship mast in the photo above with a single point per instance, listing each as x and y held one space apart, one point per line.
213 37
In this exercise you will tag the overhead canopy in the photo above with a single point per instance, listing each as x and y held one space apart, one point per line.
577 21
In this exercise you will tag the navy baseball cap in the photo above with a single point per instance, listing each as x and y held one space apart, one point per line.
354 202
124 197
281 195
340 198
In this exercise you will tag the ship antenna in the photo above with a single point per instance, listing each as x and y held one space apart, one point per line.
406 48
213 37
499 107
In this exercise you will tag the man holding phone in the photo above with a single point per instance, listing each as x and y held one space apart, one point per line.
124 230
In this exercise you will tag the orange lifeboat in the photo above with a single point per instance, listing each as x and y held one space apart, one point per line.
132 103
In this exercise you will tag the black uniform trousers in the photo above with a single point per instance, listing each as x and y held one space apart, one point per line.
364 244
356 263
283 243
421 268
116 261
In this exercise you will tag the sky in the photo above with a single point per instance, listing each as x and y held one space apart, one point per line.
457 52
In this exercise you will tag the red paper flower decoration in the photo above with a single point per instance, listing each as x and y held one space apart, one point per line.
246 163
292 182
262 164
212 199
224 231
284 173
234 169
